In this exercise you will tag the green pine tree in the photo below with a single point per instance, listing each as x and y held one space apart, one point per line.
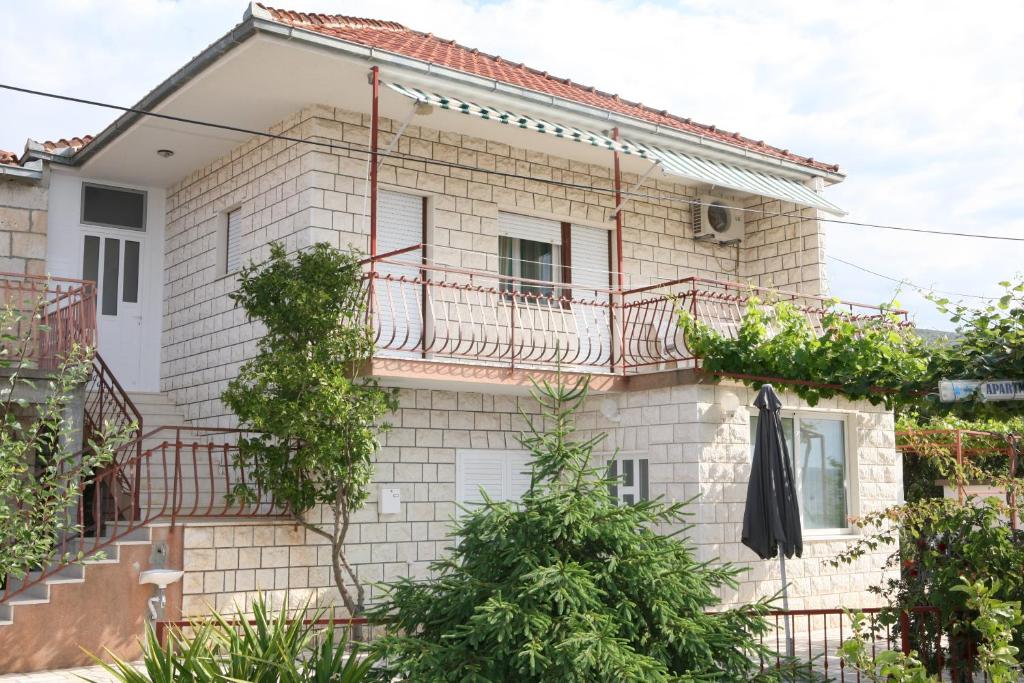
567 585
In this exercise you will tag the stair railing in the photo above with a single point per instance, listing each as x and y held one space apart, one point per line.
181 473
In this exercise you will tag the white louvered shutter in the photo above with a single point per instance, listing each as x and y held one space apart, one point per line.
233 243
589 256
504 475
518 464
529 228
481 471
398 305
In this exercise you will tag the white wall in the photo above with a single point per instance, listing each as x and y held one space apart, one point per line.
64 259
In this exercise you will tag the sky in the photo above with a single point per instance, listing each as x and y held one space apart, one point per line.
921 103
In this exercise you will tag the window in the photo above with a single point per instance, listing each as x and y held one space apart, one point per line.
113 207
113 264
532 249
233 241
502 474
817 446
632 479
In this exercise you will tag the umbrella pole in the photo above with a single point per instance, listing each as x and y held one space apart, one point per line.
785 602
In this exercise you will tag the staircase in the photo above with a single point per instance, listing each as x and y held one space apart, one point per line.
168 472
35 587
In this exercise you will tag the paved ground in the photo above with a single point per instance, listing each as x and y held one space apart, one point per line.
88 673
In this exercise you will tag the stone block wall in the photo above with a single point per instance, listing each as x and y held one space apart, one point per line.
695 450
303 193
23 212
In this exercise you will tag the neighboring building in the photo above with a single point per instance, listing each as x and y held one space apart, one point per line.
497 184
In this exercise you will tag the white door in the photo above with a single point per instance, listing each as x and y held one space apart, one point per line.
398 300
114 259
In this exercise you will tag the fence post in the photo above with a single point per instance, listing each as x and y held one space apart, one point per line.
905 631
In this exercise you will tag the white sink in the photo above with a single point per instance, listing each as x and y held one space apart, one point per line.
161 577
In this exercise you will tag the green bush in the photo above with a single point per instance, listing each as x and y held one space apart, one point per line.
567 585
272 649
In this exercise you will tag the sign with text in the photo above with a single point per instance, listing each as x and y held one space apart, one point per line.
953 390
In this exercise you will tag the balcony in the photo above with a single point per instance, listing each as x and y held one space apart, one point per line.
52 316
430 313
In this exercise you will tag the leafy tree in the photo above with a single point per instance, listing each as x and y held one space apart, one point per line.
317 420
41 476
875 359
989 344
566 585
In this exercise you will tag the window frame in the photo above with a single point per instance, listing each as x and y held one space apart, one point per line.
224 242
116 188
561 268
850 468
641 488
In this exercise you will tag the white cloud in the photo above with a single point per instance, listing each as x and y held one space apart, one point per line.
920 102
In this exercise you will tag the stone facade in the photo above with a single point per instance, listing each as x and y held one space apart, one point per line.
304 194
23 212
694 449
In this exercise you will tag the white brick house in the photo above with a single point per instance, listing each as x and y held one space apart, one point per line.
518 247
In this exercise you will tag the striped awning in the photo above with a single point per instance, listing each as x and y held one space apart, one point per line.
682 164
518 120
723 174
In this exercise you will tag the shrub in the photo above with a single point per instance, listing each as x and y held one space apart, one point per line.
567 585
272 649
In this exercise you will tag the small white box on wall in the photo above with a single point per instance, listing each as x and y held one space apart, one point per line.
390 501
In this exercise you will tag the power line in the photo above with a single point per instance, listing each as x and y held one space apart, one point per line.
365 149
909 283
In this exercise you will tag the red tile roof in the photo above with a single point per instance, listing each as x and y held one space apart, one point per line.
74 143
9 158
394 37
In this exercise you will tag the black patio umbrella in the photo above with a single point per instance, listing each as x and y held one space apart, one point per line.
771 518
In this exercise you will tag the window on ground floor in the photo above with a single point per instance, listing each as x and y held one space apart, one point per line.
818 449
501 474
630 475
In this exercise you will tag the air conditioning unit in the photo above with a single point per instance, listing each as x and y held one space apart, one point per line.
716 221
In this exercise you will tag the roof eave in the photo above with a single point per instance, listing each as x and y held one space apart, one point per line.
179 79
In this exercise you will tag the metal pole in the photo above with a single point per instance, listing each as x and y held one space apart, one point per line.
618 213
374 132
785 602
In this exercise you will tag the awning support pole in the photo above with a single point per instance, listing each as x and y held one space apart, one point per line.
636 186
618 215
401 129
374 134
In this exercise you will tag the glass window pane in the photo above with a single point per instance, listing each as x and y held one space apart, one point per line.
627 473
821 469
113 206
506 264
537 263
131 273
111 264
91 259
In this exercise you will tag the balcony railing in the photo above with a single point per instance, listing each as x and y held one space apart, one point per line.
53 316
429 311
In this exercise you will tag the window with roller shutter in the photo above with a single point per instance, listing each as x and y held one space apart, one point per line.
501 474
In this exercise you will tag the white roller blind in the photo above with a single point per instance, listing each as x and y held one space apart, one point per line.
399 223
399 305
529 228
234 241
589 262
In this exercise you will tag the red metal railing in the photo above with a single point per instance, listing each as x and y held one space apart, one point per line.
168 473
424 310
367 633
817 634
964 445
54 315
